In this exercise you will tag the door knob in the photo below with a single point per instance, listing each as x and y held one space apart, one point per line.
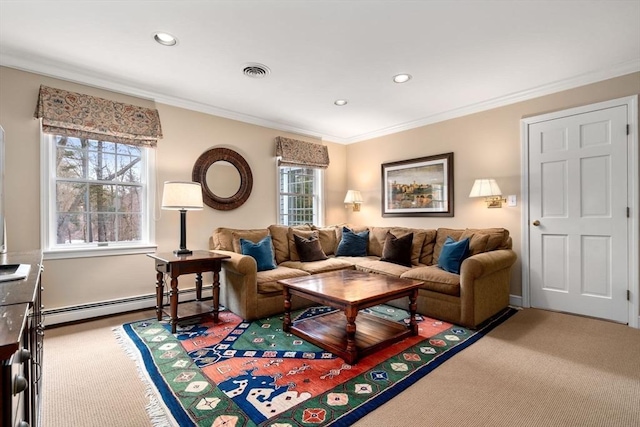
536 223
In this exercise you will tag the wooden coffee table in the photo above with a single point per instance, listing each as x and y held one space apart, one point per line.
350 291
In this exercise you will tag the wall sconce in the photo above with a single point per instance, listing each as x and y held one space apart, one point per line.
183 197
353 200
488 188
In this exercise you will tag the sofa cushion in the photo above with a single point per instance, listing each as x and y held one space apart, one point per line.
353 244
352 227
374 265
418 241
262 252
435 279
309 249
426 254
267 281
498 237
253 235
477 241
222 237
293 250
328 238
377 237
397 249
280 238
441 236
315 267
452 255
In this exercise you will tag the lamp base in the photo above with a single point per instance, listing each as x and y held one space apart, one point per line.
182 252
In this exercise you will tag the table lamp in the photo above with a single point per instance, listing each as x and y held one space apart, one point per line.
182 196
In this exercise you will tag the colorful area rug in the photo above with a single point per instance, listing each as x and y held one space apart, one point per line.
237 373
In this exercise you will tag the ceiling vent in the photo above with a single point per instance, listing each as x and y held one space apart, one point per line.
256 71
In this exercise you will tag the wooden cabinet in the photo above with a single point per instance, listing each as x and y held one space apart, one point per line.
21 343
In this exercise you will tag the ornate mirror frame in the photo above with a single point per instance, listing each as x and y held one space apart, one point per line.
199 174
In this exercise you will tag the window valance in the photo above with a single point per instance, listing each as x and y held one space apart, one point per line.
84 116
292 152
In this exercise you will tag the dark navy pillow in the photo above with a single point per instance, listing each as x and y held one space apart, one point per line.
452 254
262 252
353 244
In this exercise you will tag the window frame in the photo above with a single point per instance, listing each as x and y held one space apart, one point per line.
318 194
52 250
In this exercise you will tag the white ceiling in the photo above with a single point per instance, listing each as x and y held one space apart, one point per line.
465 56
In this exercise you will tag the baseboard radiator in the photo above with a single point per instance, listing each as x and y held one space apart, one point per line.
82 312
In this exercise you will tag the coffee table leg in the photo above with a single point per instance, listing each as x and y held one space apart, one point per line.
352 351
413 307
286 326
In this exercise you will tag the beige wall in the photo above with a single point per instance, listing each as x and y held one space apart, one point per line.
187 134
485 145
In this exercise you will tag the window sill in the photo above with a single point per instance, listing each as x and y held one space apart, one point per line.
93 252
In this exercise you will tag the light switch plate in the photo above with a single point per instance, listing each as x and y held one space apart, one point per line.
511 200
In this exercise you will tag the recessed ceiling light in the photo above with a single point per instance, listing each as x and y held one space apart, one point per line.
340 102
401 78
165 39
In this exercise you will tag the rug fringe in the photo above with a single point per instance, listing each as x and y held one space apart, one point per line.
157 412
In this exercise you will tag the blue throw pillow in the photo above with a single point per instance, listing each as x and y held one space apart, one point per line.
452 255
262 252
353 244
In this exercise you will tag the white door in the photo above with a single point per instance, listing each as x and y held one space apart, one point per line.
578 227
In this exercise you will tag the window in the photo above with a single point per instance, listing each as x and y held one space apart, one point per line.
300 195
98 196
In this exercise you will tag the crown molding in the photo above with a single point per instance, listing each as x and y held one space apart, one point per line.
559 86
60 71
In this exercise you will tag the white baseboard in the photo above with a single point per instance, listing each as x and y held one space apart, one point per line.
515 300
89 311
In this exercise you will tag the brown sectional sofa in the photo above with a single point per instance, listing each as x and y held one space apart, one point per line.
480 291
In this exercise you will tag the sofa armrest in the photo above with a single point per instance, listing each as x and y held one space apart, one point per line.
485 263
238 263
239 292
485 285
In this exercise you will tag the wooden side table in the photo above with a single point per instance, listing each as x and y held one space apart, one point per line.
176 265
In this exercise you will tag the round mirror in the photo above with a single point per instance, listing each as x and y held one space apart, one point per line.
225 177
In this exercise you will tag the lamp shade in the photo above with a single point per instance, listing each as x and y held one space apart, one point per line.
181 195
353 196
485 188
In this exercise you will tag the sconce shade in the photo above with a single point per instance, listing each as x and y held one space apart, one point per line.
485 188
353 196
488 188
180 195
353 199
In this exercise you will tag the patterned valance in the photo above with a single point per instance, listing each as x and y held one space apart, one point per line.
292 152
84 116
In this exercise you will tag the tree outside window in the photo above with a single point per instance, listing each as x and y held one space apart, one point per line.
99 191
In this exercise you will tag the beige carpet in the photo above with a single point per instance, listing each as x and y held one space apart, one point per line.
537 369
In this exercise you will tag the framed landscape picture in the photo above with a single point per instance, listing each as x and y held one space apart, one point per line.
418 187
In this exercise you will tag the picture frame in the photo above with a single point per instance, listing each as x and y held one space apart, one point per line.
418 187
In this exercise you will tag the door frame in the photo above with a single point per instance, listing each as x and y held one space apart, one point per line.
633 189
